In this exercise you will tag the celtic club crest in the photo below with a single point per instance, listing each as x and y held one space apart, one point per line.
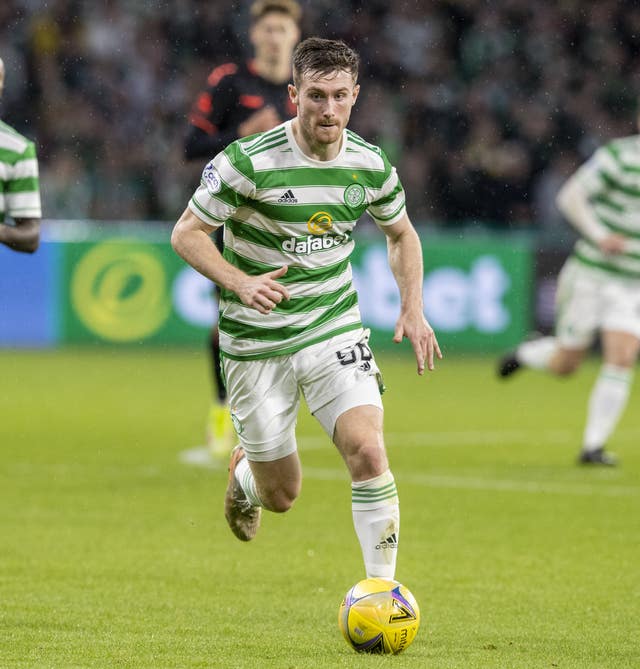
354 195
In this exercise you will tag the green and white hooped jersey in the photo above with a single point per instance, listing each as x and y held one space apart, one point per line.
19 185
280 207
612 179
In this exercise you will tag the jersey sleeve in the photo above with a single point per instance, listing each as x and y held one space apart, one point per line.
209 128
226 185
596 174
390 206
22 187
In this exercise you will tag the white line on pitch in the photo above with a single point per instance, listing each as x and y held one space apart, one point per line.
501 485
453 438
200 457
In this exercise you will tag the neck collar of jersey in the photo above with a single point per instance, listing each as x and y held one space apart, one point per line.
288 125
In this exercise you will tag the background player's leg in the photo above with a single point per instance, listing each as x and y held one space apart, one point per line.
578 309
375 505
216 373
219 433
565 361
610 393
536 354
544 354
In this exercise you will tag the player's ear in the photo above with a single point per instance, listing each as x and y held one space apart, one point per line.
293 94
356 90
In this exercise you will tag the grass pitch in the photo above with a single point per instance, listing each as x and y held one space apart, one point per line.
113 553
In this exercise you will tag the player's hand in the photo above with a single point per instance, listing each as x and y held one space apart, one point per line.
422 337
261 121
263 292
613 244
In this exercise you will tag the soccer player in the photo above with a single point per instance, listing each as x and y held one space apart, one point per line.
289 200
598 290
19 188
243 99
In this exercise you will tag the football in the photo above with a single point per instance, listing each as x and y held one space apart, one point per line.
378 615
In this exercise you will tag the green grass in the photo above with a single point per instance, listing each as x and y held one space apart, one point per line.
115 554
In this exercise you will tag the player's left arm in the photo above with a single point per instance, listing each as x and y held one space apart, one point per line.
405 260
24 236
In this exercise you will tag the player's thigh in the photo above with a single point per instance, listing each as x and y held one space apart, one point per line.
264 402
621 322
579 306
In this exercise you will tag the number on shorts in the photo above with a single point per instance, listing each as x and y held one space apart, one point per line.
359 353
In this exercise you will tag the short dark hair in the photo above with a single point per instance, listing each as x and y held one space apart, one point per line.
261 8
323 56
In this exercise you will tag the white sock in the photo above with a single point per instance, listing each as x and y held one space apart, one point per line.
537 353
376 518
606 404
244 476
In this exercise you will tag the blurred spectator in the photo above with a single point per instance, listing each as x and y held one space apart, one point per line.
66 188
484 106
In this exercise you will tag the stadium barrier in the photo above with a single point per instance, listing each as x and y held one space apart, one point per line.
123 284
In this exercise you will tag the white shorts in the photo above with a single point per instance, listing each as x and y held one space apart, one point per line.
589 300
264 395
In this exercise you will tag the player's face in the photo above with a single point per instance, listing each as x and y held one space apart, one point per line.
324 105
274 37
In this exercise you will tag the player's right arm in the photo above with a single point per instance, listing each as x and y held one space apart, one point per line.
405 260
191 241
22 202
24 236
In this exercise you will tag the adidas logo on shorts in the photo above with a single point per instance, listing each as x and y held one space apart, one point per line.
288 198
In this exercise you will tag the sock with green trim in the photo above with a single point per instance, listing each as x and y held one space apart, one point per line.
376 518
606 404
244 476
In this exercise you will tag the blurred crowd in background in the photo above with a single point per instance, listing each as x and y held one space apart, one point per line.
485 107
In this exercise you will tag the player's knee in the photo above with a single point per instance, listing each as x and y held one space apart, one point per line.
567 368
367 460
279 503
565 365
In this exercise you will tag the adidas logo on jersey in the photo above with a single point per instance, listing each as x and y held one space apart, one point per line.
288 198
389 542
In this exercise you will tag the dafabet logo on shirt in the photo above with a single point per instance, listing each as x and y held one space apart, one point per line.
320 223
